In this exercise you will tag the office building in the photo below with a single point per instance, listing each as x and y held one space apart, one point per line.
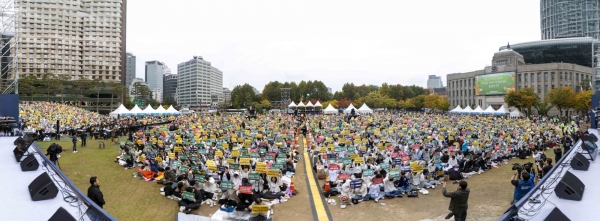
132 89
129 69
227 96
569 18
434 82
578 51
82 39
195 83
157 95
510 71
155 70
329 90
169 86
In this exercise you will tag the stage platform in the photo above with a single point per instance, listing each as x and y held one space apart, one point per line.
16 200
574 210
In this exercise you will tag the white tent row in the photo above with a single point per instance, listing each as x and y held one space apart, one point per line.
136 111
478 110
349 109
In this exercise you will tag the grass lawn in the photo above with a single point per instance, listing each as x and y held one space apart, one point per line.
127 198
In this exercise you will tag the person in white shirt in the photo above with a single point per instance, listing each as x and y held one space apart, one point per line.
333 174
374 191
453 162
346 194
390 189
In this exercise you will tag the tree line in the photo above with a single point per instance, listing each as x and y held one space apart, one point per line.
384 96
563 98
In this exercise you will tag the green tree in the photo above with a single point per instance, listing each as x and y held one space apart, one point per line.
128 102
522 99
561 98
98 85
385 90
170 101
142 92
243 96
431 101
397 92
583 101
118 89
419 101
585 84
542 107
83 85
63 83
443 104
50 84
27 85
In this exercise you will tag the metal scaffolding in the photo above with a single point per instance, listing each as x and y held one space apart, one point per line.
285 97
9 74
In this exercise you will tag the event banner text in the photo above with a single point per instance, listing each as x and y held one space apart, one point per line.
495 84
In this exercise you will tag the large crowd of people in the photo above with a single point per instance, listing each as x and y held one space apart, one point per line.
240 161
388 155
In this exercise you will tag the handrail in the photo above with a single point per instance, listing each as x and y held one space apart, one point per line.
83 197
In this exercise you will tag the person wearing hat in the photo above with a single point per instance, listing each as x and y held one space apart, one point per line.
94 192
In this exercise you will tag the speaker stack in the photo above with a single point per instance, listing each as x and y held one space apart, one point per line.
42 187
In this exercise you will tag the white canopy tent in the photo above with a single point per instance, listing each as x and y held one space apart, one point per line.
300 104
330 110
172 110
136 111
365 109
457 109
467 110
309 104
477 110
120 111
149 111
501 111
318 104
349 109
515 113
292 105
161 110
489 110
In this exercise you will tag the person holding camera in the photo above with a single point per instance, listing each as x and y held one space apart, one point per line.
53 152
522 186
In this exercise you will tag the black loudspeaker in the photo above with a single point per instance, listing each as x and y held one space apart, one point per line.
42 188
62 215
30 163
579 162
556 215
18 154
570 187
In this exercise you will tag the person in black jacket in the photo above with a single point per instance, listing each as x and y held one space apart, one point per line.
458 202
94 192
187 205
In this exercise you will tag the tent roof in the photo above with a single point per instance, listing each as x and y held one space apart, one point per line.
309 104
292 104
171 109
502 110
120 110
149 109
329 107
468 109
457 109
318 104
364 107
160 109
136 110
477 110
300 104
490 109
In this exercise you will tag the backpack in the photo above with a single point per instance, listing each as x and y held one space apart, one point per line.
413 194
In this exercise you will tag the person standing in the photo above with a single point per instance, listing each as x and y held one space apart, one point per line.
74 139
94 192
522 186
458 201
83 138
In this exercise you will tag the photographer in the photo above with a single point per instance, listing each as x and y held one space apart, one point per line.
53 152
547 167
522 186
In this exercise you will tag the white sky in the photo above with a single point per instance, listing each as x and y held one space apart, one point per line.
368 42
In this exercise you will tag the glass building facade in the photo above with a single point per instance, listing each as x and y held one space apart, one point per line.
569 18
568 50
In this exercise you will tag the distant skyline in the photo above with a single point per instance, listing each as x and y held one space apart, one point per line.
397 42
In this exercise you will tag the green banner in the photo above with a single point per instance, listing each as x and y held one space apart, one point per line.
253 176
494 84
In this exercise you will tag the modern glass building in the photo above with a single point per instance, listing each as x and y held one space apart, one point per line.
197 82
169 86
568 50
570 18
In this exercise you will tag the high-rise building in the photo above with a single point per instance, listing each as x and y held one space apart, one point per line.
170 86
197 83
434 82
155 70
329 90
226 96
129 69
157 95
570 18
82 39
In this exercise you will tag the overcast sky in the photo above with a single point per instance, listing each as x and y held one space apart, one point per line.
368 42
